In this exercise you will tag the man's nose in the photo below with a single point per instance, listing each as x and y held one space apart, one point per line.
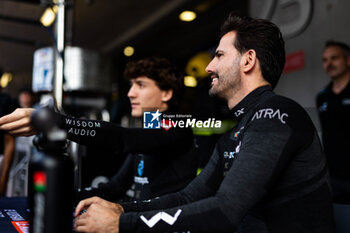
132 92
209 68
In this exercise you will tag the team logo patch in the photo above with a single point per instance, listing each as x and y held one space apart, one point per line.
161 216
238 132
231 154
271 114
239 112
140 167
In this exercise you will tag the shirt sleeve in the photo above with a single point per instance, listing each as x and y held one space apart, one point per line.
262 156
126 140
205 184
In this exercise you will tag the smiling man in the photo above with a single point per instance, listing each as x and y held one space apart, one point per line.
267 175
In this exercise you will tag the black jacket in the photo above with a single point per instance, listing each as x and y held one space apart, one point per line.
158 161
267 175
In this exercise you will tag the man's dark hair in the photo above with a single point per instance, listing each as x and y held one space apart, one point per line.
26 90
344 47
262 36
162 71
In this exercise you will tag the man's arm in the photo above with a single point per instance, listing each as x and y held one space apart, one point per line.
9 150
223 204
129 140
245 184
100 217
200 188
93 132
17 123
266 149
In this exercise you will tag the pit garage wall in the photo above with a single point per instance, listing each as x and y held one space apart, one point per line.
306 25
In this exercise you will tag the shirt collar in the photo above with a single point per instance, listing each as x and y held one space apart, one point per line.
247 102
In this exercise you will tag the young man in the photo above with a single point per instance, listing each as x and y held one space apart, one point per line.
159 161
267 175
333 104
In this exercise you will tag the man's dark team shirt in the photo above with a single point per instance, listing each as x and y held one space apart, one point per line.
158 161
267 175
334 113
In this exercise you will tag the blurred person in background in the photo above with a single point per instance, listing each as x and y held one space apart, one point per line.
333 104
24 148
7 142
26 98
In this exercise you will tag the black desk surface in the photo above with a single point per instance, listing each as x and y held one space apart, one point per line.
13 215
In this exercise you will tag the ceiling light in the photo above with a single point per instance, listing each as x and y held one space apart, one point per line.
129 51
6 78
49 16
190 81
187 16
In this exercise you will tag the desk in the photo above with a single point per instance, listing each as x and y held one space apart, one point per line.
13 212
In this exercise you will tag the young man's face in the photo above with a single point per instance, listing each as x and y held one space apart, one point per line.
145 95
25 100
225 68
334 62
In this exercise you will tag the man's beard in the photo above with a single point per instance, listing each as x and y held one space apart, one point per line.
224 86
212 91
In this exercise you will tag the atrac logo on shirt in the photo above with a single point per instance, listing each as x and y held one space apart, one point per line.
151 120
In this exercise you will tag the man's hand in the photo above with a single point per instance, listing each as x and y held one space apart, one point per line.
86 203
98 219
18 122
100 216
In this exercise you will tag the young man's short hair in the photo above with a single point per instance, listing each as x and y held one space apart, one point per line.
165 74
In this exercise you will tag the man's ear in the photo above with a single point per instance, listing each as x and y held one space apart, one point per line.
167 95
249 60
